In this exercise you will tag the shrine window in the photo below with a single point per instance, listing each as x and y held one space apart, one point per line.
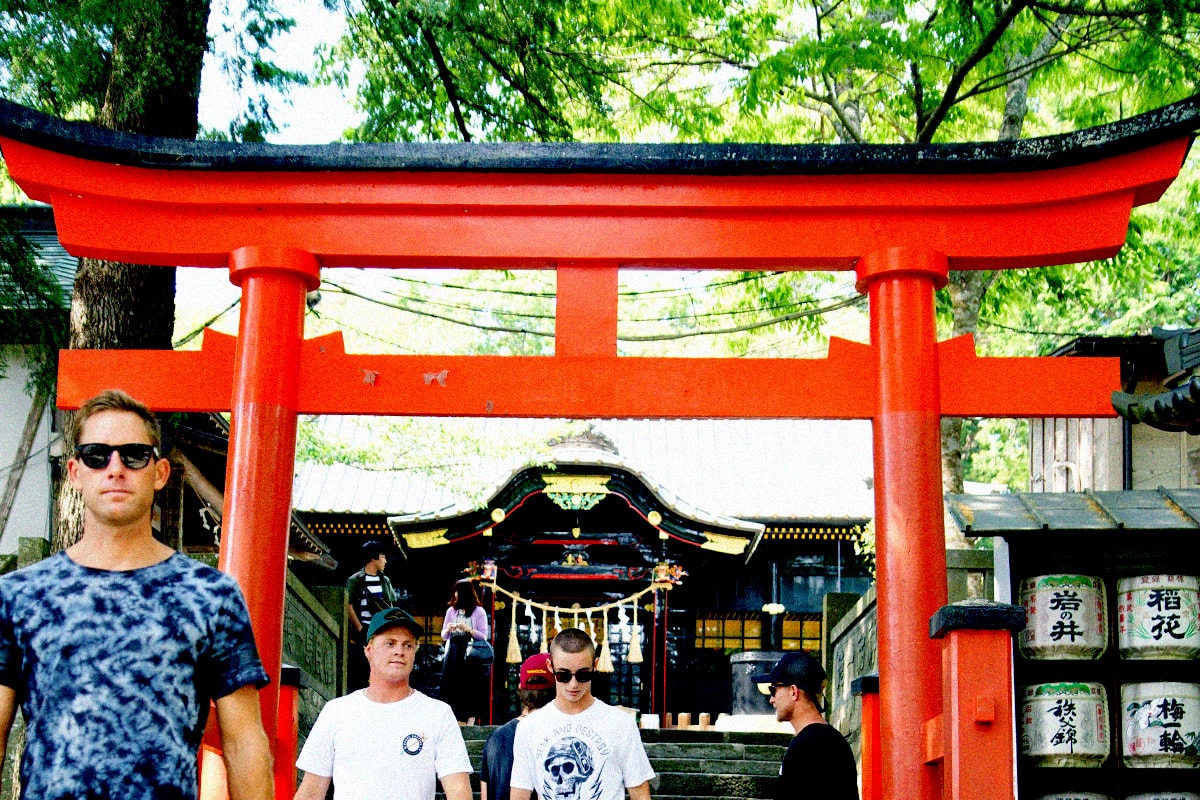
739 631
432 623
732 631
802 632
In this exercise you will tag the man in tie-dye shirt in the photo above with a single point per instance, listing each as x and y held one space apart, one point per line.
114 647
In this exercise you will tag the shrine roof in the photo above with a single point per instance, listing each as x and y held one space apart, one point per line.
36 224
749 471
1141 510
98 144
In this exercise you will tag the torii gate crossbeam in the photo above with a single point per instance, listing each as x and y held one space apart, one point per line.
900 216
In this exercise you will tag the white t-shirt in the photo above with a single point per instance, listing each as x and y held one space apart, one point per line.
385 751
593 755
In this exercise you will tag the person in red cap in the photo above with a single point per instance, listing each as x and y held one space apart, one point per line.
535 690
819 761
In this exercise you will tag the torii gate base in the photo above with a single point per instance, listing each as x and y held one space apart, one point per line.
901 216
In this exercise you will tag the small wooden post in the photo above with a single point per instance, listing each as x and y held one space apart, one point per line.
977 722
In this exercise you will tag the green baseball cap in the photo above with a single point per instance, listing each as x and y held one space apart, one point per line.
392 617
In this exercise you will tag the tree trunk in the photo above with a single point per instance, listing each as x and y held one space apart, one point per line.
153 88
968 288
33 420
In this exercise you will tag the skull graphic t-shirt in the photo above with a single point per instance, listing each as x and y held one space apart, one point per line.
593 755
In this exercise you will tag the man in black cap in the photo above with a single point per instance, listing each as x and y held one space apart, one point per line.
388 741
818 762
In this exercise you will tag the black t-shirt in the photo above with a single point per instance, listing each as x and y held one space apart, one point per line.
820 765
497 766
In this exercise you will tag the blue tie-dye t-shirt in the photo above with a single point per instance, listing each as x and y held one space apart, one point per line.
115 670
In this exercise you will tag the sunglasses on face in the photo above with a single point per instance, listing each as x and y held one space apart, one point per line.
582 675
133 456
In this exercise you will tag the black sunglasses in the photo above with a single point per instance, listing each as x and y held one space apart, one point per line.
582 675
134 456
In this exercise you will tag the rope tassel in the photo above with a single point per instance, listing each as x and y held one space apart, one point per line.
635 639
514 647
605 663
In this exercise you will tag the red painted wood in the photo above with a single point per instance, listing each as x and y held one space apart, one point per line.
836 387
495 220
909 534
262 446
979 730
871 769
586 310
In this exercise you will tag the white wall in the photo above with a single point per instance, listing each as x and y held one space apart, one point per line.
31 513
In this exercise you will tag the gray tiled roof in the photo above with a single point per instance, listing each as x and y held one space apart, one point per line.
1143 509
37 225
730 470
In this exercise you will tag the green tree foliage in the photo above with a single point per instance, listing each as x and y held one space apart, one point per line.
542 70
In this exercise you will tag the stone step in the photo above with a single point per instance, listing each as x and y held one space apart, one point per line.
702 785
716 751
728 767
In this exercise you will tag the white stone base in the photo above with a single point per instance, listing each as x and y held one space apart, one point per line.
753 723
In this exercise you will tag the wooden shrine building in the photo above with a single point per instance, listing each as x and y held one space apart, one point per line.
586 526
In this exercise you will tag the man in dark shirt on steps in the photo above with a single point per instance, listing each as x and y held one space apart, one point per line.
818 762
536 689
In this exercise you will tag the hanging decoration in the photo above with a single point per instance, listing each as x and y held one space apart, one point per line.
666 576
513 656
604 663
635 640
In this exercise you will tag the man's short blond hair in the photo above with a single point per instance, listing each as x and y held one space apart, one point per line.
115 400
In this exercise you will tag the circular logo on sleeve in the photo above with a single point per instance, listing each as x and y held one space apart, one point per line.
413 743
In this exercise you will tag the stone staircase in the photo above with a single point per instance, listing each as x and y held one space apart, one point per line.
694 763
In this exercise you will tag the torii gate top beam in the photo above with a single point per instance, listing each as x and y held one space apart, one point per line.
1026 203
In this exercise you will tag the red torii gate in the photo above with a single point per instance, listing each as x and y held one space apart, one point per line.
899 215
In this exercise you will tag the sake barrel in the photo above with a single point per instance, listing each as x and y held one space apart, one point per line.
1064 724
1158 616
1066 617
1161 726
1075 796
1164 796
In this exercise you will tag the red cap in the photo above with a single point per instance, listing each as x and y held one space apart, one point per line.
535 672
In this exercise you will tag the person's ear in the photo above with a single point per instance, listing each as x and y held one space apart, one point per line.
162 469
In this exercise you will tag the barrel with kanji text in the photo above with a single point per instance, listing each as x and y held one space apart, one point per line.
1065 617
1164 796
1161 726
1075 796
1158 616
1064 724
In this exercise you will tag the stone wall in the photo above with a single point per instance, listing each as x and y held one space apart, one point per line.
312 641
853 641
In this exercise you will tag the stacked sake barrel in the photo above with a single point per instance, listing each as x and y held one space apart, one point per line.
1067 723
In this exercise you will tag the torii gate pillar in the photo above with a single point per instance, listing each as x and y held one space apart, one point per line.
910 536
266 376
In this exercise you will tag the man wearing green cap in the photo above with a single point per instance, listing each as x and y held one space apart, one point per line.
387 741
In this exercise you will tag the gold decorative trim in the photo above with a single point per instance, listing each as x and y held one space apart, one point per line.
576 492
423 539
722 543
576 484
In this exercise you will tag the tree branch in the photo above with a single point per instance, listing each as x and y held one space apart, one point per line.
444 74
985 46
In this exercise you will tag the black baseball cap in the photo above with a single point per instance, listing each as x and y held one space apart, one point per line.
391 618
795 669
